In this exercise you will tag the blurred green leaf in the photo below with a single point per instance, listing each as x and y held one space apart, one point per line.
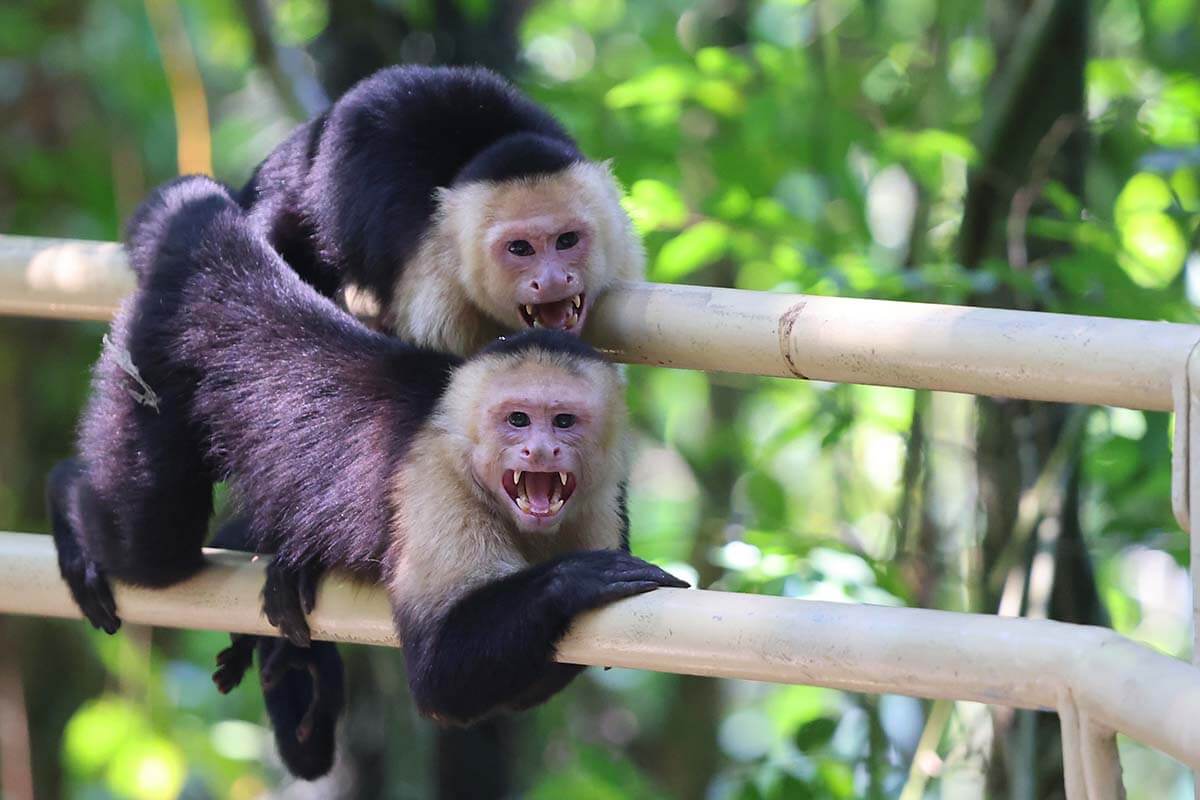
698 246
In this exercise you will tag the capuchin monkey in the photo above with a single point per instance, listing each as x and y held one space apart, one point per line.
449 206
486 494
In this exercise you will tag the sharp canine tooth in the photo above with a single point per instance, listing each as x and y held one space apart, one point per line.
517 476
577 301
562 476
529 310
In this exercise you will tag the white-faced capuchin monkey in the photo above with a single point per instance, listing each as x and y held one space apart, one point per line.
448 208
449 203
486 494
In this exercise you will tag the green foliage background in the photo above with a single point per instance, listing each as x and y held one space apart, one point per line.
818 146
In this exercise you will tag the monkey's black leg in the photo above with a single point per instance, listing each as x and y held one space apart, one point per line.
71 502
495 647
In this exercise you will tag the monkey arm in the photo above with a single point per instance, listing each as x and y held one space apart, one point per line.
494 648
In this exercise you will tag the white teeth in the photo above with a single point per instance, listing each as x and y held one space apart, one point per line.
517 476
555 506
529 310
577 301
522 503
562 476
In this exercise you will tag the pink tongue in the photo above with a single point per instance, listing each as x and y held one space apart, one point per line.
554 315
537 488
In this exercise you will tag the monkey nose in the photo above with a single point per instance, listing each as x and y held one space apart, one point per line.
551 286
538 452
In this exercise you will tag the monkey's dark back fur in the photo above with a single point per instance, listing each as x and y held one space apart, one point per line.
260 381
350 193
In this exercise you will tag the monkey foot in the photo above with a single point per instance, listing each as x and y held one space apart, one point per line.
232 663
289 595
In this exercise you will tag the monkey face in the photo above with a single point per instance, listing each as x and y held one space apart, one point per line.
536 439
545 261
537 252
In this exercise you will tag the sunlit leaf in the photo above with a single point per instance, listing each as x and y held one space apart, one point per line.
1174 117
1155 249
299 21
97 730
661 85
148 768
719 62
699 245
1143 192
719 96
655 205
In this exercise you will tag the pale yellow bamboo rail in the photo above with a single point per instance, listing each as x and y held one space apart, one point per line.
936 654
1022 354
1098 682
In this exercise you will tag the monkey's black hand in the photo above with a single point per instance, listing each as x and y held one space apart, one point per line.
596 578
233 661
494 648
288 596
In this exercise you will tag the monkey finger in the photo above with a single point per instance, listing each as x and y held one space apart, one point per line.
227 679
290 622
102 615
648 572
98 603
622 589
232 663
307 589
295 628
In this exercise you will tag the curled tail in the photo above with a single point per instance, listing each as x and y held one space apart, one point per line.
303 687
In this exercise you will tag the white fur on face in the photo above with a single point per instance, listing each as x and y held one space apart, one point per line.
450 534
454 296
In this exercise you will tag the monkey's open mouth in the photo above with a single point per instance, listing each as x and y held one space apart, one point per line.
564 315
539 494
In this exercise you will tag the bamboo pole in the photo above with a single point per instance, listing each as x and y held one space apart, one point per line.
1025 663
1022 354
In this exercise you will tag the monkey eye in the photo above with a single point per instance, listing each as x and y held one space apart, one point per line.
566 240
520 247
518 419
564 420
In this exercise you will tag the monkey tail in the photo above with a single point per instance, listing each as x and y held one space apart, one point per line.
303 687
304 691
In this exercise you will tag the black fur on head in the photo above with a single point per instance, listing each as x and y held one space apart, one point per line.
544 339
520 155
397 136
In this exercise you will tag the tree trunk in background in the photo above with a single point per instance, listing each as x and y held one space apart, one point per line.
365 35
1033 131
